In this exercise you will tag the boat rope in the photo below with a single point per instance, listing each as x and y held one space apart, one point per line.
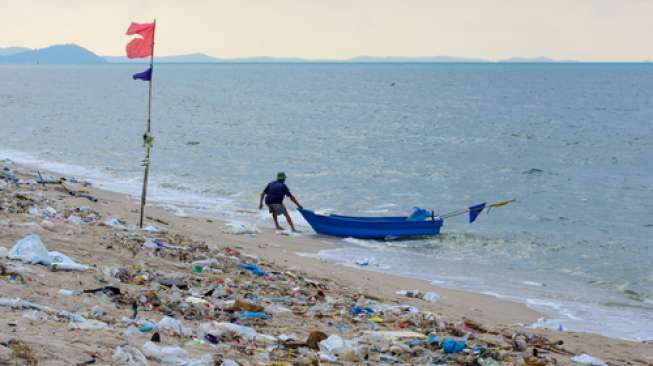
463 211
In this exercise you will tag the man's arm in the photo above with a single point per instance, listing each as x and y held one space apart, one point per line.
260 201
292 198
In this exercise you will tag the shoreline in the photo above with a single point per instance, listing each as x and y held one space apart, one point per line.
540 309
283 250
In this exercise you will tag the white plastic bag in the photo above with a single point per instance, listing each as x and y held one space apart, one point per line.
586 359
174 355
227 330
128 355
30 249
175 326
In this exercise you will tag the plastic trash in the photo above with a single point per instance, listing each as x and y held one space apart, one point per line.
431 297
227 331
151 228
229 362
586 359
166 354
488 362
433 340
410 293
147 328
30 249
363 262
254 315
357 310
254 268
128 355
175 326
74 220
174 355
452 346
68 293
88 324
132 331
336 346
116 223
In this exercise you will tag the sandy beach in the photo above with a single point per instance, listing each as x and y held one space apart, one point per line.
318 296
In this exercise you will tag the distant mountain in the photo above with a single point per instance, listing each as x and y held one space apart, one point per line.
203 58
12 50
200 58
435 59
528 60
74 54
58 54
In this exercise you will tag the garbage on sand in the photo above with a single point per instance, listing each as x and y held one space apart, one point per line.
586 359
30 249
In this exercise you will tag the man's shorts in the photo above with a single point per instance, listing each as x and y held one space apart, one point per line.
277 208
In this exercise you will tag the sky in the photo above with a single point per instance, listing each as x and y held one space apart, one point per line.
584 30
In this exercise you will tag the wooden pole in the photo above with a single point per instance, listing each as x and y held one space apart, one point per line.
147 138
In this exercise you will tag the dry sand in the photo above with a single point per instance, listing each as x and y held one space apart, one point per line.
53 343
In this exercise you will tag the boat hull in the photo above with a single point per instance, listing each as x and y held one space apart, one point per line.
370 227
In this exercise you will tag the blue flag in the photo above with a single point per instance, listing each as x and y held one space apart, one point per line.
474 211
145 75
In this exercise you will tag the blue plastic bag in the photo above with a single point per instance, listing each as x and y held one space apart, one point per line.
452 346
254 268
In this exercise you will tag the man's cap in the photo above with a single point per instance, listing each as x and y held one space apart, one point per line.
281 176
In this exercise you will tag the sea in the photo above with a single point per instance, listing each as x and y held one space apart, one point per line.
571 143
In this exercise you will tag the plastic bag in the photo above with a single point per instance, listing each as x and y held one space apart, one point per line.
586 359
30 249
227 330
174 355
175 326
128 355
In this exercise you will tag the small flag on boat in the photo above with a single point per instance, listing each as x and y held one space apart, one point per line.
141 46
500 204
474 211
145 75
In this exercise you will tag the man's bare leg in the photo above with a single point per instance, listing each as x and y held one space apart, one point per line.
276 221
289 220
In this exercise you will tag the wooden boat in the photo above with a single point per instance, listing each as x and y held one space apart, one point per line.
371 227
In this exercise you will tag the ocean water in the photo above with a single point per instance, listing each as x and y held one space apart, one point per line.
571 142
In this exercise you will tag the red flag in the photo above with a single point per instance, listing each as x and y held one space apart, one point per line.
141 47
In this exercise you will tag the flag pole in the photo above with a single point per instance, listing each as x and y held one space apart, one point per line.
147 137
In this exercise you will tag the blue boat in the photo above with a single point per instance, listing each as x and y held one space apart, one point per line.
373 227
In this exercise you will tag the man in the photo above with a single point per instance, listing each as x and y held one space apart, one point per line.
274 194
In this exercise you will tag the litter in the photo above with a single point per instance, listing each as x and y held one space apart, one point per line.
254 268
175 326
253 315
30 249
88 324
227 331
452 346
174 355
586 359
129 355
363 262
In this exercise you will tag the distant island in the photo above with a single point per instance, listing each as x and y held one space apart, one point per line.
74 54
58 54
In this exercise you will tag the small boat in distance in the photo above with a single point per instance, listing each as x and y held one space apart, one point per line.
373 227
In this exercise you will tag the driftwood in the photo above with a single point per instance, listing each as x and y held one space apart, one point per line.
78 194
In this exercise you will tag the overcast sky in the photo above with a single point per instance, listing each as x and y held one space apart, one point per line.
588 30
